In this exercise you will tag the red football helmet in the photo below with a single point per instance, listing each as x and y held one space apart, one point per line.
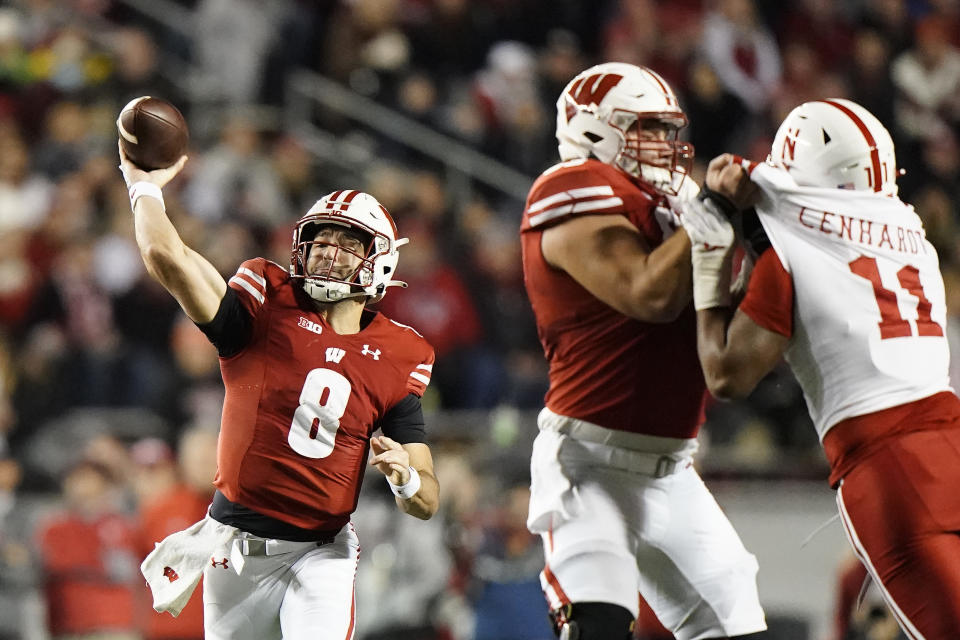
378 262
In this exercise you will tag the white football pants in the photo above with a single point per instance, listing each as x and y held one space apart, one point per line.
611 531
283 591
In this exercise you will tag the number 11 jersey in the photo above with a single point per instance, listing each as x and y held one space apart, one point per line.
869 309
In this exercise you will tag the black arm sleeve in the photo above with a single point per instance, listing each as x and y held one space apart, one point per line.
754 234
403 422
230 329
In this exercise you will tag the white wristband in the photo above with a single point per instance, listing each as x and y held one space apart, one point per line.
408 490
711 278
143 188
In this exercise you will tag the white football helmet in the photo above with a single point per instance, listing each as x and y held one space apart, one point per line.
373 275
836 144
599 106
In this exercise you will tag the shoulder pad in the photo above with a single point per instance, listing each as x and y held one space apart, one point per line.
572 188
254 280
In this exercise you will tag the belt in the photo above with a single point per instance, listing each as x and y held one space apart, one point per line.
648 464
583 430
274 547
621 450
666 466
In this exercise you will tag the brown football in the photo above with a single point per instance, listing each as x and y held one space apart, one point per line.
152 132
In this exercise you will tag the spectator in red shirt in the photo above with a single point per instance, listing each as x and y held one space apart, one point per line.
89 560
174 509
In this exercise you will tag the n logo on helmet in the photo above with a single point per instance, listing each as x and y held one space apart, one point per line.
591 90
789 144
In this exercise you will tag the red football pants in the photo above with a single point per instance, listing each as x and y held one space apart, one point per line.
901 511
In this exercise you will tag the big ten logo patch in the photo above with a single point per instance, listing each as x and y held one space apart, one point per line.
309 325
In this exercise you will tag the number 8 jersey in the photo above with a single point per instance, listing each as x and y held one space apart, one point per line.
868 307
302 401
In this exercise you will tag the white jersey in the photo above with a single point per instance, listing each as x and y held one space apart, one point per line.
870 310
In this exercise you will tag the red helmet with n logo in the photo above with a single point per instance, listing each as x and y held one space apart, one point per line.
600 110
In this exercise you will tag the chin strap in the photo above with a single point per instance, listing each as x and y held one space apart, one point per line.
333 293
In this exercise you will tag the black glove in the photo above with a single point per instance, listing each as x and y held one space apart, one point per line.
723 203
754 235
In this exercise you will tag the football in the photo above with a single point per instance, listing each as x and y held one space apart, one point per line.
153 132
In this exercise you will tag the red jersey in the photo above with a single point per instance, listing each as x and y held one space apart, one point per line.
90 570
606 368
302 401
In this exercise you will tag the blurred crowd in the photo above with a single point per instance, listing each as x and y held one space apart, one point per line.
104 384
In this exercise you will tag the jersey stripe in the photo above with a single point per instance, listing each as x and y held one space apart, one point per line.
405 326
549 201
253 275
246 286
421 378
871 142
425 367
572 194
576 207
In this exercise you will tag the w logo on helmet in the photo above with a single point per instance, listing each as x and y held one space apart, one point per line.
591 90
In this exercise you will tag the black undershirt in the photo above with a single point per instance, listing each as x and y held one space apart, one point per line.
246 519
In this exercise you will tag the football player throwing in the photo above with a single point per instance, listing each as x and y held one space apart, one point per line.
310 375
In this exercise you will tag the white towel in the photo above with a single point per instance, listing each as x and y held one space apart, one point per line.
174 567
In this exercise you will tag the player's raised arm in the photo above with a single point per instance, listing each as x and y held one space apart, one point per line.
187 275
